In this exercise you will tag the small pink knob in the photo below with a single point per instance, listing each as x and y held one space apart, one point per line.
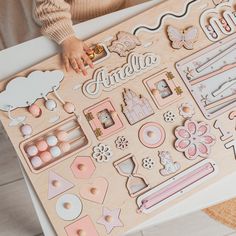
69 107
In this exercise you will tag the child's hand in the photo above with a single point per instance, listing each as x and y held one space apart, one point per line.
75 55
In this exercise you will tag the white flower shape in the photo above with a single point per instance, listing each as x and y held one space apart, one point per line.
148 163
102 153
121 143
169 116
186 110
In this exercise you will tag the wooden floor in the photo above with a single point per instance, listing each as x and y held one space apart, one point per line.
17 215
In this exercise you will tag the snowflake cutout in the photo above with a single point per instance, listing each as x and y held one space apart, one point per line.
102 153
169 116
121 143
148 163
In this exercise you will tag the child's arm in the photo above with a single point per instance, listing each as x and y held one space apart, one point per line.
55 18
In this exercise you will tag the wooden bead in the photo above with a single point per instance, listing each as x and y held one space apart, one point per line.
32 150
42 145
94 191
45 156
35 110
81 167
26 130
186 109
55 151
108 219
69 107
36 162
67 205
81 232
62 136
150 134
65 147
56 183
52 140
50 105
155 92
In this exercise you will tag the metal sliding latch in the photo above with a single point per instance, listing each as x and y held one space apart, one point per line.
98 132
178 90
169 76
89 116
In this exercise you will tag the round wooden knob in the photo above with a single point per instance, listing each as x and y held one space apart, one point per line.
150 134
155 92
81 167
69 107
81 232
186 109
67 205
108 219
94 191
55 183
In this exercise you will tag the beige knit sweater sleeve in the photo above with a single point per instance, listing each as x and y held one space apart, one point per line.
55 18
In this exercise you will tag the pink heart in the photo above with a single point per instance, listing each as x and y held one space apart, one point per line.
96 191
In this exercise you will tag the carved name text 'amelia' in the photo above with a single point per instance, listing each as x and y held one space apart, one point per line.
106 81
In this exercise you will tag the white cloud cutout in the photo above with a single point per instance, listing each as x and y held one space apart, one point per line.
22 91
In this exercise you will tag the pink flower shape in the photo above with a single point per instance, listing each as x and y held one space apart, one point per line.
194 139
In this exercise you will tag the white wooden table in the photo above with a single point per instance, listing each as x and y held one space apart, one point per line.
24 55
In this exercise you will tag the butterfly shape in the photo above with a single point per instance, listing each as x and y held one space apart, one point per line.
185 38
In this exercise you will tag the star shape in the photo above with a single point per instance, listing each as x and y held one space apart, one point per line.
110 219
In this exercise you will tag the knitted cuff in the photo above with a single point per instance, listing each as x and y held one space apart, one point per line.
60 31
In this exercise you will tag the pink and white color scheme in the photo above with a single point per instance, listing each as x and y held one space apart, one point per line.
95 191
176 186
163 88
152 135
110 219
57 185
170 167
83 226
83 167
124 43
127 166
182 38
194 139
136 107
103 119
220 19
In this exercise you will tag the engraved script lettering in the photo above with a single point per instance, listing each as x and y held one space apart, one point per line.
106 81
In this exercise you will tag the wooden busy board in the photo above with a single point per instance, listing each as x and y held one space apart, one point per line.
153 123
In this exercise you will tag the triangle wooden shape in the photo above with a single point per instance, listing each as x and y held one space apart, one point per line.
57 185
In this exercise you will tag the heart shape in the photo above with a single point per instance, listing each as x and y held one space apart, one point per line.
96 191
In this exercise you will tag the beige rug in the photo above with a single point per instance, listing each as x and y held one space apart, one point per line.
224 212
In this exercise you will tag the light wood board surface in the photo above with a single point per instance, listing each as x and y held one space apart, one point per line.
117 195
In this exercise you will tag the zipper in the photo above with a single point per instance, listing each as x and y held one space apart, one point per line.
176 186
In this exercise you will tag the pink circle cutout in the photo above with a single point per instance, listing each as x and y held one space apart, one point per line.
157 136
